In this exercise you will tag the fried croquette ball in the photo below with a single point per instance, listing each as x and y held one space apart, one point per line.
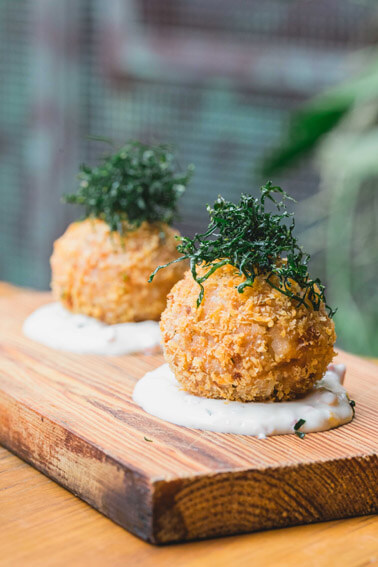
98 273
250 346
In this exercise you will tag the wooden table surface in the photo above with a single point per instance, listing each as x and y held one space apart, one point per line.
42 524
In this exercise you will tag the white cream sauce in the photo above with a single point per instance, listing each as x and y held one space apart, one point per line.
325 407
54 326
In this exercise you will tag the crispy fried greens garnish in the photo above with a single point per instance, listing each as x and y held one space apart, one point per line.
137 183
256 242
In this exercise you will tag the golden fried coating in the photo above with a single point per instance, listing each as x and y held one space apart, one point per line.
104 275
254 345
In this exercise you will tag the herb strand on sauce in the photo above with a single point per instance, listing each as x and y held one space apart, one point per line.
297 426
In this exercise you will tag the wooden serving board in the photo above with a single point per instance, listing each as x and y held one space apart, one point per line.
73 418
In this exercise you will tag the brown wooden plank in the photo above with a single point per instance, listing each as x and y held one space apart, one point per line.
72 417
42 524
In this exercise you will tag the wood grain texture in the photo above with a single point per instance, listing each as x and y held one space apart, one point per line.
72 417
41 525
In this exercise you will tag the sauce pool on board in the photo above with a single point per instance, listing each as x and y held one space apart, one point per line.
326 406
54 326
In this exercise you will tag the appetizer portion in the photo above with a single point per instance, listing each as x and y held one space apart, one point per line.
104 274
248 326
247 322
100 266
250 346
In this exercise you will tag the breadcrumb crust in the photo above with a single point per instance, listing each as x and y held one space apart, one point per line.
250 346
101 274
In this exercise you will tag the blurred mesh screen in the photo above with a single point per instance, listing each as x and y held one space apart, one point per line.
222 125
15 82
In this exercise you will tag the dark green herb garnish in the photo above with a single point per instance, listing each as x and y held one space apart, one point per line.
147 439
352 404
136 184
256 242
297 426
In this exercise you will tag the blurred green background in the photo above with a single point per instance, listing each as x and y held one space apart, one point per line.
245 90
